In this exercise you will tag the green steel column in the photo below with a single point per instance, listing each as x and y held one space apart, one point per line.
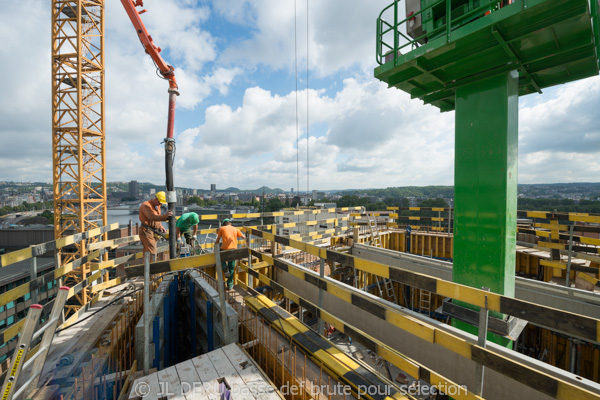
485 179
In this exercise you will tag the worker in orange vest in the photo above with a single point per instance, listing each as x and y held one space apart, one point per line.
229 235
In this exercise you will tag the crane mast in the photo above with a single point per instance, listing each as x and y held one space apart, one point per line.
78 129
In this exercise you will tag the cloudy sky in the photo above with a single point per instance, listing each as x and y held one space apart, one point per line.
236 116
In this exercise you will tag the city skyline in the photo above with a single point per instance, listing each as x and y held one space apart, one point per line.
236 116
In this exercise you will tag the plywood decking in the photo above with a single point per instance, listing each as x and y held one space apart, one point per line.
201 378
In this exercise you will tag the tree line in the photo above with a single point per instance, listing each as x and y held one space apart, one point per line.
24 207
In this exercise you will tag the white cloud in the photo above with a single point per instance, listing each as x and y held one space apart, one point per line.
25 116
566 119
369 140
177 26
363 134
340 33
559 166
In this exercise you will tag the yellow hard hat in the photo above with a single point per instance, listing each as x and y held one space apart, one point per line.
161 197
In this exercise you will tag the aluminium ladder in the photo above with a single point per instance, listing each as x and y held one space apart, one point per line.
375 236
376 241
425 302
28 335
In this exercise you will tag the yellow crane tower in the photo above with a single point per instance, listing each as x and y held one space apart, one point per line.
78 127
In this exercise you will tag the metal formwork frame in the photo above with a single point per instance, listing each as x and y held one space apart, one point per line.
78 126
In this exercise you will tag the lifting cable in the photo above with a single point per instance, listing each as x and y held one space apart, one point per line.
307 96
297 130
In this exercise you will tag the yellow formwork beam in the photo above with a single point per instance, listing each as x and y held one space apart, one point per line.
39 249
414 369
572 324
547 384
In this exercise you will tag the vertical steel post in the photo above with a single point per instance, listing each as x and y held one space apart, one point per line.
448 19
568 277
485 180
34 292
156 339
221 285
209 326
481 342
321 325
193 317
250 277
166 329
174 314
395 32
147 317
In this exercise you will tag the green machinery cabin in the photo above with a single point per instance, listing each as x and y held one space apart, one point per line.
548 41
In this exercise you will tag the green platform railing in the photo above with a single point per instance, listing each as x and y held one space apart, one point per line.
386 49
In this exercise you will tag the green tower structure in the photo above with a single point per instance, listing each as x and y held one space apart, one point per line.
477 57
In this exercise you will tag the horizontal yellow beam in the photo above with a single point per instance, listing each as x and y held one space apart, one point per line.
553 264
579 326
113 242
589 278
106 285
529 376
75 316
56 274
40 249
406 364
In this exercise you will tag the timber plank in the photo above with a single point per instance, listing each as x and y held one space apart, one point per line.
208 375
259 386
77 341
168 381
249 373
223 366
146 384
191 384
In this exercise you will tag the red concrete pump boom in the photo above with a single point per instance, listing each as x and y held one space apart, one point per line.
168 73
166 70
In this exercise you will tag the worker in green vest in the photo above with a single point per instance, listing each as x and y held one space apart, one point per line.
187 225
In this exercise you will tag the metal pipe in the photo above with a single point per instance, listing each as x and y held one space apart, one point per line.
221 284
321 325
146 360
156 338
568 276
34 292
573 354
169 160
282 366
481 342
93 380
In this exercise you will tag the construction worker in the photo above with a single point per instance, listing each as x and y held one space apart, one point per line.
187 225
150 217
229 235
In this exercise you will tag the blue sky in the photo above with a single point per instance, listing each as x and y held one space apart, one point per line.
236 116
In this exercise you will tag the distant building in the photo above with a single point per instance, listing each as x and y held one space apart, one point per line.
213 187
152 192
134 189
325 205
316 195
